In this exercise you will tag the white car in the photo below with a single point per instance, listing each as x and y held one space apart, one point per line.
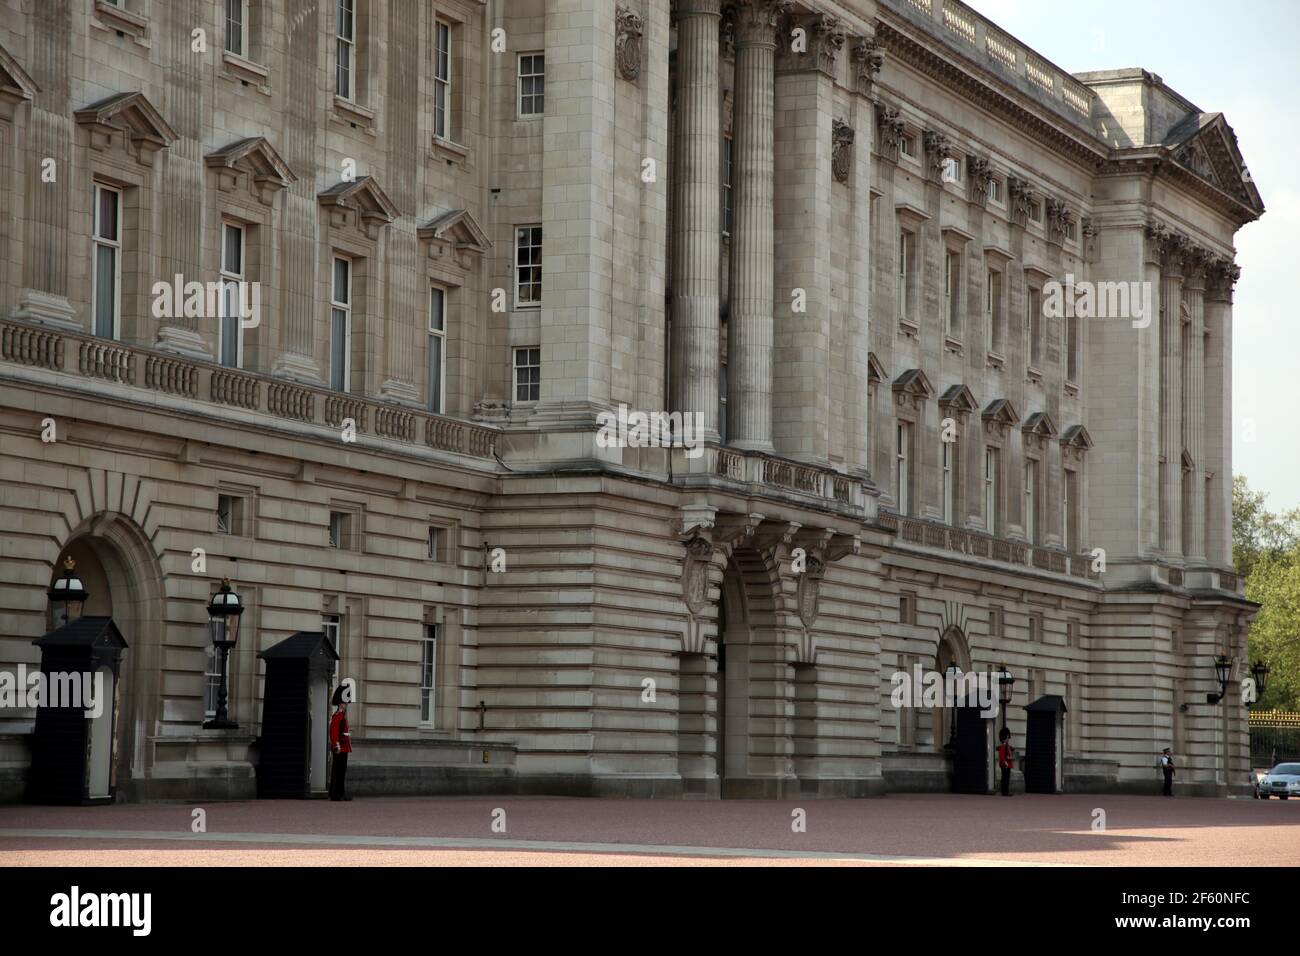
1282 781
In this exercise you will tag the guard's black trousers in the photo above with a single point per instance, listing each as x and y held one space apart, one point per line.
1169 784
338 774
1006 781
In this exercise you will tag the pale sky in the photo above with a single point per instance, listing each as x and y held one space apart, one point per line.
1239 59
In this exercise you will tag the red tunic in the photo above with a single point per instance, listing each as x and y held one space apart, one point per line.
340 733
1005 755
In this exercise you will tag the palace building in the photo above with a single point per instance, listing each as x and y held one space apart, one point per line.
956 326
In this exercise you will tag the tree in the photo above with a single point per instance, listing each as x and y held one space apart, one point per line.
1256 531
1266 552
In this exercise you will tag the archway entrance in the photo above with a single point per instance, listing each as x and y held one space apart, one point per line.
732 743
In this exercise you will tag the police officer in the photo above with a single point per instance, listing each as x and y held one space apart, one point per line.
340 746
1006 758
1167 768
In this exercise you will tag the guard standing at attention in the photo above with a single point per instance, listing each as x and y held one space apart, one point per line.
340 746
1006 760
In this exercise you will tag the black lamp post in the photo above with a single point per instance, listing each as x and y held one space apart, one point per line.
1223 669
1005 683
223 626
67 594
954 673
1259 670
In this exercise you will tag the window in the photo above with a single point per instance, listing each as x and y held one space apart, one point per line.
1071 229
906 253
340 324
434 547
442 81
340 530
532 84
428 673
908 145
230 329
991 490
995 621
437 349
1033 326
1035 211
331 626
907 607
528 267
1035 634
728 145
1071 632
952 292
1070 509
949 484
993 311
345 30
528 374
106 293
995 190
902 476
1071 347
230 514
952 170
1031 502
237 27
212 675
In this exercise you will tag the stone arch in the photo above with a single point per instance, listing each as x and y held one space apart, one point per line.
952 647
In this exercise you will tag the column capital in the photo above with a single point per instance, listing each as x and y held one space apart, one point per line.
1222 275
755 21
697 8
816 47
868 59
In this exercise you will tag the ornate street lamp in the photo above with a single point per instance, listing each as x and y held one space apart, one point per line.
1005 683
1259 671
67 594
1223 669
223 626
954 674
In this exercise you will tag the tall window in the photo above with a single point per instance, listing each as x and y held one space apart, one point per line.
212 674
991 517
345 30
728 145
995 190
902 473
532 84
231 329
993 311
341 324
428 673
442 82
1070 509
949 482
331 626
952 292
905 253
528 374
1071 347
1031 502
106 293
1033 326
528 267
437 349
237 27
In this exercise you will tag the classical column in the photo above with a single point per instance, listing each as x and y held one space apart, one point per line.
1171 433
749 330
697 211
1194 402
1223 275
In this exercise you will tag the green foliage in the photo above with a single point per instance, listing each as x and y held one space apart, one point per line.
1266 551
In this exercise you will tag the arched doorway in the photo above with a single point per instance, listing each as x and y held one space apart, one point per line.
952 650
124 579
732 743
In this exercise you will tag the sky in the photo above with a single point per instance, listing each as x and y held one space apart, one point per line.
1240 59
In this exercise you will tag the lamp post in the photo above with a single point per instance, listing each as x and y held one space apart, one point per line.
954 673
223 626
67 594
1005 683
1223 670
1259 671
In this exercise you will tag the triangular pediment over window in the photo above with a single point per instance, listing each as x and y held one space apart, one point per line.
958 398
16 84
255 156
363 195
1000 412
875 371
1206 145
914 383
458 229
1039 424
1076 436
131 114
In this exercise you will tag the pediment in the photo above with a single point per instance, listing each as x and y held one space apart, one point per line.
915 383
875 371
16 84
1000 412
958 398
459 230
1040 425
255 156
1206 145
132 115
1076 436
363 197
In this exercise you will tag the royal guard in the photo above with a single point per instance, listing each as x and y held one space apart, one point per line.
1167 768
1006 760
340 746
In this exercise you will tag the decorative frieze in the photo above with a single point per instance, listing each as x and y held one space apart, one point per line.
627 45
841 150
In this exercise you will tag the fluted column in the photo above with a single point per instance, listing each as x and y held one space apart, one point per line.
1194 404
749 330
697 211
1171 433
1218 407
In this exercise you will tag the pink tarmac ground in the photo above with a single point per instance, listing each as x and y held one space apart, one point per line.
932 829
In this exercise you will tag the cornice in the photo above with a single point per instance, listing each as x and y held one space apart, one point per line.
1159 162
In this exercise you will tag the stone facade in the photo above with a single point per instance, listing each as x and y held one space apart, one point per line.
831 230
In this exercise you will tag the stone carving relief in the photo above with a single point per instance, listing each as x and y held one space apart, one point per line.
627 45
867 62
841 150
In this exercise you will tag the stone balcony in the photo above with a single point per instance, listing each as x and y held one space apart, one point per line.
80 357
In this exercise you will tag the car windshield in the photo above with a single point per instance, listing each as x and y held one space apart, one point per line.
1287 769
